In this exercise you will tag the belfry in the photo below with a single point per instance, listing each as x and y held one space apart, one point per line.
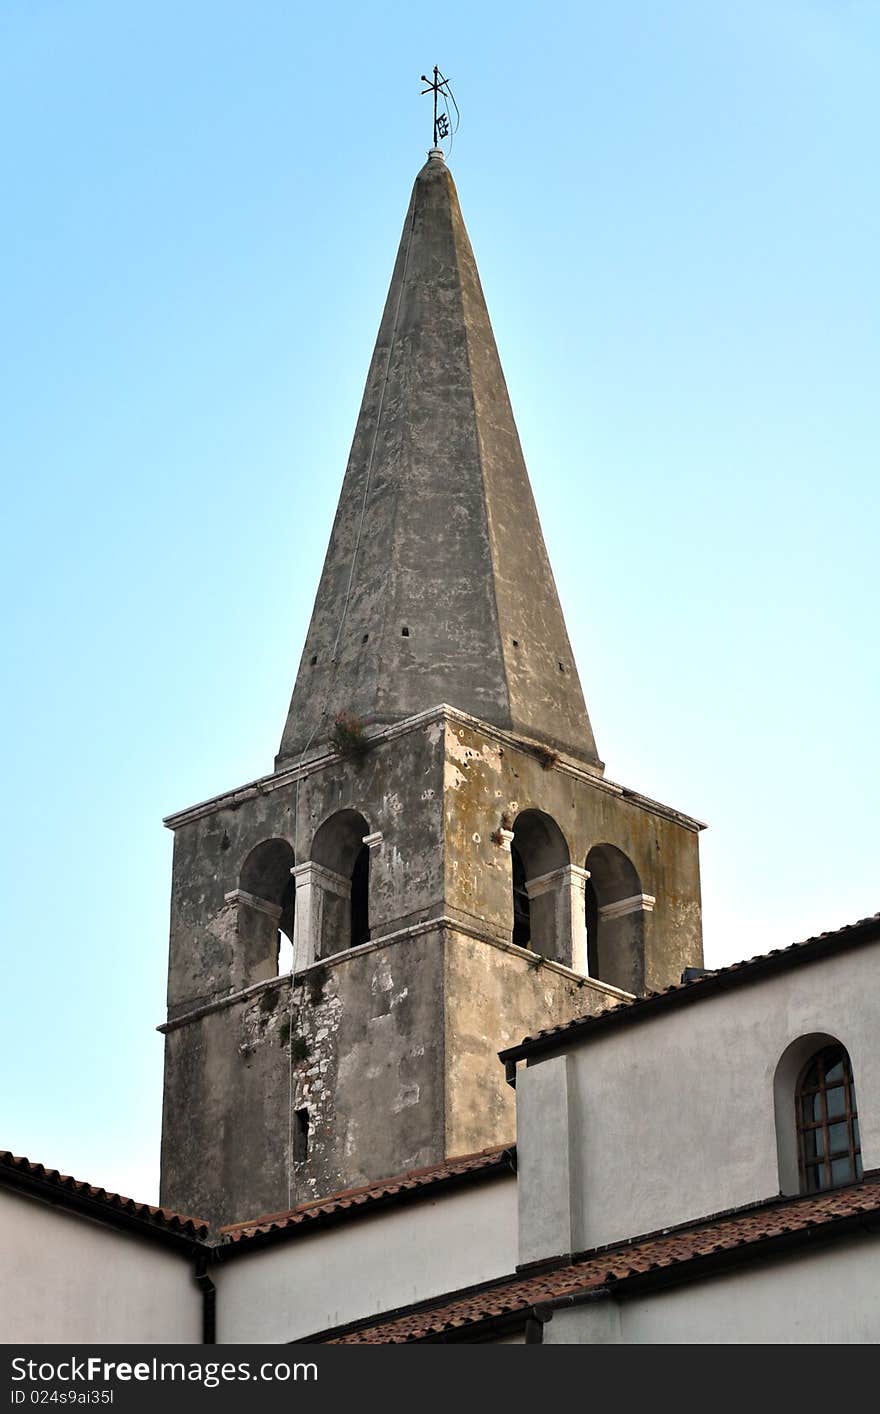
438 840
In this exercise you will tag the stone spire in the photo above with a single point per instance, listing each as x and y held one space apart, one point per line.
436 586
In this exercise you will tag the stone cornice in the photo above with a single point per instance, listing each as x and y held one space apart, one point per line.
566 765
429 925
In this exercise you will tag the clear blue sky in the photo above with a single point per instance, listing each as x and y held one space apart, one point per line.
675 213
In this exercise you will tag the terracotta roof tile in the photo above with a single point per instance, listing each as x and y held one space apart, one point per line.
414 1180
734 1232
35 1175
864 930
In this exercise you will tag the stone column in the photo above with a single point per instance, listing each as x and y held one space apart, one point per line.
621 941
557 914
323 913
255 949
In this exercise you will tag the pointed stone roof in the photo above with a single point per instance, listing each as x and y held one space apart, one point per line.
436 586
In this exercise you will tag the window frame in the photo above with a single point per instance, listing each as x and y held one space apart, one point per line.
818 1154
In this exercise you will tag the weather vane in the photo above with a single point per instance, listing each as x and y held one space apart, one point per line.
445 125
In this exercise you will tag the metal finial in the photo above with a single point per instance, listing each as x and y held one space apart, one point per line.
445 126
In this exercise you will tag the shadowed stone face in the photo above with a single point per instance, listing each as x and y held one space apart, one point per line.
436 586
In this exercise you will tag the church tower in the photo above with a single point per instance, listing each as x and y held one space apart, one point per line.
437 841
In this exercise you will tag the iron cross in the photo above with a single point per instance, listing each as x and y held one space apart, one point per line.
439 86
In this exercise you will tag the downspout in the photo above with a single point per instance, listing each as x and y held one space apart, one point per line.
535 1322
209 1298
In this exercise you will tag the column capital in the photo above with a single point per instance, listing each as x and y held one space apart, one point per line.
570 875
311 874
262 905
636 903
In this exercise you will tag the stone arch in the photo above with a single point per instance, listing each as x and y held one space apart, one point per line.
340 879
542 882
338 841
615 910
266 898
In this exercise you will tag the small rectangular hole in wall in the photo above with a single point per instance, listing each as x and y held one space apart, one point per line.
404 633
515 642
300 1136
562 667
365 638
314 659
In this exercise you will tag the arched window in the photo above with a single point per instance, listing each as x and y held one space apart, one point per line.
340 868
829 1148
614 917
266 906
360 897
541 884
522 923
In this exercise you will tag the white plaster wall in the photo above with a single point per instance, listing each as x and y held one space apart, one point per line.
369 1265
544 1177
67 1280
829 1296
673 1118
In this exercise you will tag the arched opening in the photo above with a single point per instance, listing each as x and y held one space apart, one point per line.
830 1148
360 898
614 909
817 1123
540 869
522 925
266 909
342 877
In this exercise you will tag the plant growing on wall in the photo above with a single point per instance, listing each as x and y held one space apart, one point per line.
547 757
348 737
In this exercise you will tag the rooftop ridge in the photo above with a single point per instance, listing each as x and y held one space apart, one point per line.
483 1161
32 1175
864 930
690 1249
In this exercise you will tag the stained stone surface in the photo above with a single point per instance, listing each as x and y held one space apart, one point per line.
436 531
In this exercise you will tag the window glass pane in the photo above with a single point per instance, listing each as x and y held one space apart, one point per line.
828 1128
811 1077
842 1171
838 1139
836 1101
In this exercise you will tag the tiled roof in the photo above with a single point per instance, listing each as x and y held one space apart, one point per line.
29 1177
416 1182
779 1222
866 930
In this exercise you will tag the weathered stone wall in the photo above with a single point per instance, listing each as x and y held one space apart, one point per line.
489 782
372 1034
358 1046
436 585
391 1051
397 789
390 1048
493 997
